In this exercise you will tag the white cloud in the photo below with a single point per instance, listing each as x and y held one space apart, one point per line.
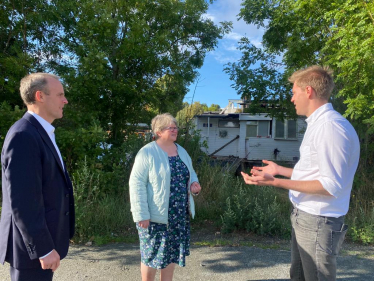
257 43
208 16
223 57
229 46
228 10
232 48
233 36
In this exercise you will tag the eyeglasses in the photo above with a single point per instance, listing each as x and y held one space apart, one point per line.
172 129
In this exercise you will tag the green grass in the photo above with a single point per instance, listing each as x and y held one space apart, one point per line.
231 243
106 218
107 239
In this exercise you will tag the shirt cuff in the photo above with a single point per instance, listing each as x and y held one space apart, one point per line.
329 186
45 255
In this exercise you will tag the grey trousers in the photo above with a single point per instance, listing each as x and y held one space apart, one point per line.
315 244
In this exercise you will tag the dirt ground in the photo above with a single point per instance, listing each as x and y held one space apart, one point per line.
243 257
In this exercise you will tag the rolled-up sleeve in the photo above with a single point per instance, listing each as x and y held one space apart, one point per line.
333 155
138 187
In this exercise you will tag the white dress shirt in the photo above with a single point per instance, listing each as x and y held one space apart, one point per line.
51 133
329 153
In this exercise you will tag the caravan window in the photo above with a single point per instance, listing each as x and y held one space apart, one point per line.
286 129
258 129
228 123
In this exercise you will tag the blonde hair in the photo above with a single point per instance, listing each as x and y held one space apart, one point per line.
161 121
317 77
32 83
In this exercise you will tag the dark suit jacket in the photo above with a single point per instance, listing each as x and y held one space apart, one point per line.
38 206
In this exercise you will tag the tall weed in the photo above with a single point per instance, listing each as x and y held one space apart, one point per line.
86 192
98 213
102 193
103 207
258 210
116 165
360 217
216 187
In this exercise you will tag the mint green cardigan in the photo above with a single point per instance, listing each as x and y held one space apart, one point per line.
150 183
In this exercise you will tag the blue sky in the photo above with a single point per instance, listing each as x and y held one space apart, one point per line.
214 85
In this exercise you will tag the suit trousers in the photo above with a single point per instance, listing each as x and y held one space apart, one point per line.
316 242
33 274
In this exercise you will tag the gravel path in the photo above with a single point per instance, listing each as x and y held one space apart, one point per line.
121 262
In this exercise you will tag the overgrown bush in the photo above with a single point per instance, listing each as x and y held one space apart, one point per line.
231 203
216 187
191 141
116 164
362 226
258 210
102 193
360 217
79 137
86 194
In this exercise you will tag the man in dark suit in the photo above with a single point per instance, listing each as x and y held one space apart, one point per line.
37 218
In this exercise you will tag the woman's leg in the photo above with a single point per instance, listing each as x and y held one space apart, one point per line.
148 273
167 272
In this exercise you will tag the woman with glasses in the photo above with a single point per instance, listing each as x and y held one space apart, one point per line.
162 183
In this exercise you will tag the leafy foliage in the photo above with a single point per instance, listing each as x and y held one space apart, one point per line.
130 56
265 86
335 33
8 115
253 209
101 191
185 115
189 111
121 62
27 31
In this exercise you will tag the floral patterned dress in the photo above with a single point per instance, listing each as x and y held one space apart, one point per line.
161 244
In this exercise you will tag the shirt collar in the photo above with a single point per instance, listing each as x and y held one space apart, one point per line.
45 124
318 112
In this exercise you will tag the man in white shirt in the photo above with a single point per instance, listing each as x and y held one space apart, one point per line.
320 183
37 218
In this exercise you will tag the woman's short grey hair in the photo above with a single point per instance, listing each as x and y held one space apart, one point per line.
317 77
162 121
32 83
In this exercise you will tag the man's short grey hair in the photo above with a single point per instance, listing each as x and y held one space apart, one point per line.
317 77
162 121
32 83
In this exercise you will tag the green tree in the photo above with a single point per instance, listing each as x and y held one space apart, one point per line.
185 115
8 115
214 107
337 33
265 86
29 40
16 46
122 57
121 62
